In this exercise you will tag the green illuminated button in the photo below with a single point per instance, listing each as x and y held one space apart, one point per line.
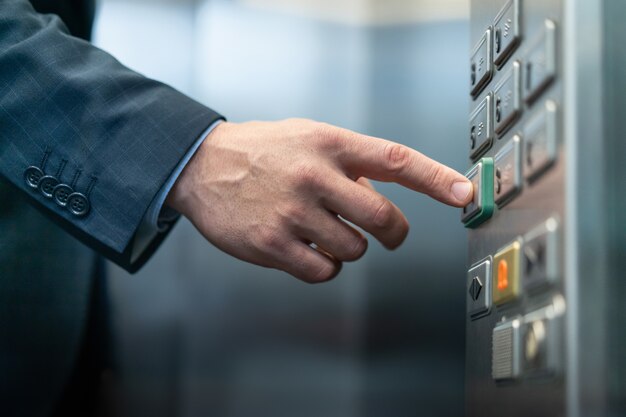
481 207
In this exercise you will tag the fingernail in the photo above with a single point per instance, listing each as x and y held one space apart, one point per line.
461 190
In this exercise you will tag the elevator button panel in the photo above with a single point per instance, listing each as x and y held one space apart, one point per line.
541 63
506 273
481 66
481 127
479 289
541 255
482 205
540 141
505 350
541 341
507 180
507 99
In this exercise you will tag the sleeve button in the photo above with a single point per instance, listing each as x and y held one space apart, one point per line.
78 204
33 175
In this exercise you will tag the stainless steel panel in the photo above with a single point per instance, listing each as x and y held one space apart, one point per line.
570 211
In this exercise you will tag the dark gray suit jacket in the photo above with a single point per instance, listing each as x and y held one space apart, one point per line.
85 146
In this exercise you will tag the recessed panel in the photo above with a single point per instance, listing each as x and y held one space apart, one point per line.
540 141
479 289
507 32
507 181
540 63
481 128
481 67
507 100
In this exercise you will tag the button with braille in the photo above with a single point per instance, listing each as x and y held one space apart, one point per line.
78 204
47 184
33 175
61 194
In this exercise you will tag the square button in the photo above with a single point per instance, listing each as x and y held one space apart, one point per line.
508 172
482 206
507 99
481 127
506 273
505 350
542 255
507 32
481 66
541 63
479 289
540 141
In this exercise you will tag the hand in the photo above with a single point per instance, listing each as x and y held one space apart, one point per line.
277 194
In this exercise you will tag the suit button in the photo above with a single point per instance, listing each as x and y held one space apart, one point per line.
32 175
61 194
78 204
47 184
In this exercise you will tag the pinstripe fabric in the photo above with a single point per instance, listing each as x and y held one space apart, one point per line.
60 94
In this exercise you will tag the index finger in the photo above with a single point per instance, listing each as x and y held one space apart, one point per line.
383 160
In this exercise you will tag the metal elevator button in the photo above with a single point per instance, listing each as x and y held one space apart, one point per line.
507 32
542 257
482 205
507 98
540 141
481 66
505 350
540 65
506 272
541 334
508 172
479 289
481 127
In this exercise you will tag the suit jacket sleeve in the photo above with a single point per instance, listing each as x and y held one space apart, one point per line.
90 141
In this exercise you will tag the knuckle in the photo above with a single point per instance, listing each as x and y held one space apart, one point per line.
324 272
293 213
357 250
396 158
270 239
433 177
307 175
326 135
383 217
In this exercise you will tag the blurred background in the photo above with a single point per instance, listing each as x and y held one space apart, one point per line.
198 333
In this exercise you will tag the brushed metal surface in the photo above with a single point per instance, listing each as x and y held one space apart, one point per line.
537 202
571 215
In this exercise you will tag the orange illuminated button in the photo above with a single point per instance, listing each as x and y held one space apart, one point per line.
507 266
503 275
